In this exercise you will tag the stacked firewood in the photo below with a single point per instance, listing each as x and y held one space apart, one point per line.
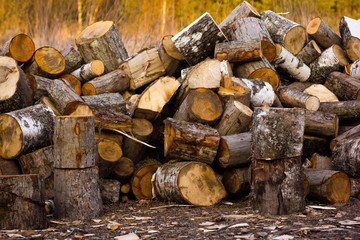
213 110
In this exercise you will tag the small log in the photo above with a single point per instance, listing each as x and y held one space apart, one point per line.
349 31
124 198
309 53
170 56
352 133
112 101
74 82
346 156
206 74
46 62
125 188
277 187
258 70
343 86
21 48
234 150
344 109
9 167
321 92
235 119
89 71
22 202
321 124
115 81
237 181
328 186
141 180
271 127
291 64
262 93
25 130
124 169
300 86
80 152
239 51
314 144
39 162
320 162
289 34
101 41
322 33
190 141
290 97
354 70
110 119
109 190
73 59
188 182
197 41
77 193
355 187
330 60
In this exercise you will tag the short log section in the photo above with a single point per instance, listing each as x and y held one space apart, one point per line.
21 48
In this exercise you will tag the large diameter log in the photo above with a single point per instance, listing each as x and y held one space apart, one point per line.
112 101
346 156
344 109
197 41
77 193
25 130
206 74
89 71
320 162
277 187
73 81
21 48
109 190
115 81
354 70
170 56
352 133
322 33
321 92
237 181
309 53
188 182
262 93
289 34
291 64
9 167
38 162
271 127
343 85
73 59
16 91
190 141
290 97
321 124
22 202
330 60
101 41
234 150
74 142
349 31
328 186
239 51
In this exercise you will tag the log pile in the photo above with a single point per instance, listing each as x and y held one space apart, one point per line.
249 99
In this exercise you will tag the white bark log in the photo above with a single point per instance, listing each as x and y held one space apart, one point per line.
355 69
262 93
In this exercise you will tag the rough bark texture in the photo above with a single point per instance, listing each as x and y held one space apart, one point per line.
42 85
290 97
110 190
346 157
355 187
111 119
262 93
239 51
352 133
322 33
9 167
321 124
344 86
39 162
313 144
350 34
89 71
237 180
113 101
344 109
309 53
320 162
73 59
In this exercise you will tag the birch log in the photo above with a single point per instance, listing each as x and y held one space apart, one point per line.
322 33
350 34
262 93
355 69
21 48
309 53
346 156
89 71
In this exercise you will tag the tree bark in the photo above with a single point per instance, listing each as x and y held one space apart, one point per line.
320 162
321 124
109 190
350 34
9 167
73 59
355 69
309 53
262 93
322 33
290 97
355 187
344 109
346 157
110 119
89 71
21 48
239 51
113 101
237 181
343 86
39 162
352 133
321 92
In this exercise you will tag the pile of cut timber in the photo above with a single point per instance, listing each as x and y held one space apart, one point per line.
233 108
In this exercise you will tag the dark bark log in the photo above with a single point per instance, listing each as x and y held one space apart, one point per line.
346 157
309 53
322 33
237 181
290 97
352 133
112 101
343 109
110 190
239 51
349 31
73 59
9 167
321 124
344 86
39 162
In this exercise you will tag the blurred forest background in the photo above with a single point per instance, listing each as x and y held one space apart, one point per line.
142 23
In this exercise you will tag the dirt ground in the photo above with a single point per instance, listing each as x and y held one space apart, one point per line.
230 219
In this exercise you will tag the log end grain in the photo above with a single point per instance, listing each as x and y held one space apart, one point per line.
50 60
88 89
312 103
22 48
74 82
93 32
97 67
9 77
109 150
141 181
313 26
170 48
11 137
267 75
295 39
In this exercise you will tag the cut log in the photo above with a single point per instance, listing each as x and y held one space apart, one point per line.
115 81
234 150
46 62
289 34
74 82
21 48
109 190
344 109
313 144
16 91
239 51
42 85
200 105
73 59
124 169
309 53
80 152
39 162
125 188
321 124
197 41
291 64
290 97
235 95
352 133
101 41
112 101
350 34
320 162
354 70
328 186
277 187
258 70
300 86
237 181
77 193
322 33
235 119
355 187
330 60
343 86
89 71
190 141
22 202
47 102
188 182
25 130
346 157
9 167
206 74
170 56
262 93
141 129
270 139
154 97
110 119
141 180
321 92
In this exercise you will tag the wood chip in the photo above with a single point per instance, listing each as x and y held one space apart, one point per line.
320 207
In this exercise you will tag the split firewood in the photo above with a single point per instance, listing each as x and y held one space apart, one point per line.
237 181
321 92
73 59
25 130
107 101
47 102
349 31
321 124
293 98
197 41
234 150
143 68
109 190
314 144
346 156
239 51
328 186
190 141
124 169
354 70
188 182
101 41
352 133
320 162
344 109
21 48
206 74
141 180
355 187
16 90
343 86
115 81
243 95
9 167
73 81
309 53
322 33
170 55
40 161
271 127
262 93
89 71
289 34
22 202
